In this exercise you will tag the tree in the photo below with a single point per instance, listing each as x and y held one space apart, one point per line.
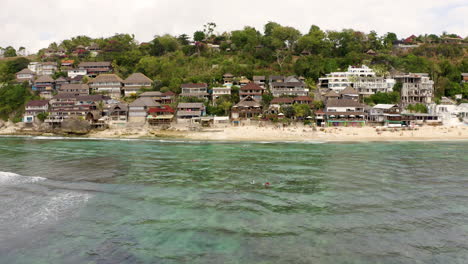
208 29
269 27
183 39
9 52
302 110
199 36
287 35
288 111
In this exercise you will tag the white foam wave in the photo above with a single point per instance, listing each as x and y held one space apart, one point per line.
13 178
56 208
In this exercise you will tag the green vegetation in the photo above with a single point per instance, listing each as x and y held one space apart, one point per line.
417 108
383 98
12 101
274 50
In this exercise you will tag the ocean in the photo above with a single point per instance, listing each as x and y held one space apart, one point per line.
156 201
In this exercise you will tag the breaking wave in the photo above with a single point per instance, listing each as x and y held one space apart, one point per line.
11 178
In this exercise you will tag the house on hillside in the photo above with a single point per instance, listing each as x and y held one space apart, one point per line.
61 81
251 90
110 84
45 85
135 82
220 91
72 73
228 79
464 77
46 68
25 75
198 90
95 68
260 80
75 89
349 93
247 108
291 86
33 108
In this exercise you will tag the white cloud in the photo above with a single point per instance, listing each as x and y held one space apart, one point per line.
34 24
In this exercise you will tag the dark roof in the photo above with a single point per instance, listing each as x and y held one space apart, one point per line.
343 103
151 94
259 78
194 85
282 100
251 86
123 107
349 90
144 101
44 79
37 103
106 77
303 98
64 96
169 93
25 71
288 84
95 64
228 75
74 86
332 93
248 102
94 97
137 78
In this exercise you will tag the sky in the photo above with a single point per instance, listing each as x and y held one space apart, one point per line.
35 24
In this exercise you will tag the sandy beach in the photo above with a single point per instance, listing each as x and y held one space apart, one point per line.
296 133
270 133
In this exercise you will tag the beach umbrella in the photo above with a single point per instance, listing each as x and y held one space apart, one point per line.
332 116
352 116
309 117
281 114
342 116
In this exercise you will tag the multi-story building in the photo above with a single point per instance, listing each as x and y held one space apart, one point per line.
363 79
135 82
46 68
253 90
33 108
220 91
72 73
110 84
45 86
464 77
95 68
25 75
367 86
75 89
417 88
291 86
199 90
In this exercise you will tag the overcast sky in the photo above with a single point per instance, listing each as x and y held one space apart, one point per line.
36 23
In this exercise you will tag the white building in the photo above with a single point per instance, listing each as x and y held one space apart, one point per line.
363 79
72 73
220 91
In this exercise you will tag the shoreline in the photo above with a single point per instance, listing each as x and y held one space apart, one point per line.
270 134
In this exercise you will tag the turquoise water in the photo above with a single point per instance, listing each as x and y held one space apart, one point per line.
137 201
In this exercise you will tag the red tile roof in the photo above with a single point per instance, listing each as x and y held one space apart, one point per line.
251 86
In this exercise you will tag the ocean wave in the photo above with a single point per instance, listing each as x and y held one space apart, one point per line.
13 178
